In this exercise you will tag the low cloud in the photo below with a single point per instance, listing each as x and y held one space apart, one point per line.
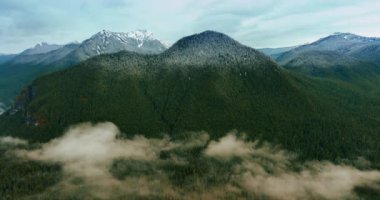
12 141
321 181
87 151
110 167
227 147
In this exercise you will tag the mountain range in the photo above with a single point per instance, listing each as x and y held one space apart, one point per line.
206 81
22 69
320 101
341 55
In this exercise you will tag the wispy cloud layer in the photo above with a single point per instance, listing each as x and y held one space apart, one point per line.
98 163
12 141
257 23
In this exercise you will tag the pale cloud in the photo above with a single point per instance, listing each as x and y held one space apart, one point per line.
267 171
88 150
228 146
12 141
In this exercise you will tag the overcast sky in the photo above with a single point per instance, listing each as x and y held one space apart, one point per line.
257 23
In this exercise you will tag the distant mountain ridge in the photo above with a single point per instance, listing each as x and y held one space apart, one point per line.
41 48
346 43
6 57
346 52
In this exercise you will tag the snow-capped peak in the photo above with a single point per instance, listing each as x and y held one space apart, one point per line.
141 35
110 42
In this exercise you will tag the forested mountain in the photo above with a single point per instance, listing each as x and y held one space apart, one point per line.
44 58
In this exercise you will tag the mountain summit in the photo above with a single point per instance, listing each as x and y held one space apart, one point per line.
211 47
106 42
139 35
141 41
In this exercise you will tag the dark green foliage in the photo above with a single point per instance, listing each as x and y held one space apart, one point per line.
20 177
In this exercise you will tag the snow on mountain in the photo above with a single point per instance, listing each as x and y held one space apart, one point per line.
103 42
140 35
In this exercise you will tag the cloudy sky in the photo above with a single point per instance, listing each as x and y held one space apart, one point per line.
257 23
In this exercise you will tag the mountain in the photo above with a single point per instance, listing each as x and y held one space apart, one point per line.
276 52
41 48
105 42
6 57
335 53
208 82
211 48
345 43
43 58
334 65
22 69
